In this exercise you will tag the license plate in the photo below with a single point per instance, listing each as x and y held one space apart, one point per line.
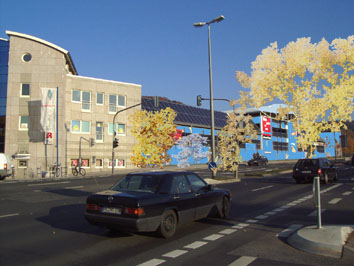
112 210
306 172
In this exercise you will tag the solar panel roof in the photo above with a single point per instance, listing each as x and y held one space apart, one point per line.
186 114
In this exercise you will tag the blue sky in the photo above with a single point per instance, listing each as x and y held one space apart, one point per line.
154 43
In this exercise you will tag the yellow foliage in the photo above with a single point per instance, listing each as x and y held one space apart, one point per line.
154 132
314 81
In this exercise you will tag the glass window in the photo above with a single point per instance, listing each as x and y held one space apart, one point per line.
25 90
24 122
27 57
196 182
180 185
121 100
85 163
76 96
85 125
86 100
22 164
99 163
99 98
99 131
75 126
121 129
112 103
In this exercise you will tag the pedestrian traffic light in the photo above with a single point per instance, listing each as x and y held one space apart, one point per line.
115 143
199 100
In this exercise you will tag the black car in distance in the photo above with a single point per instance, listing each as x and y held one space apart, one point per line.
156 201
307 169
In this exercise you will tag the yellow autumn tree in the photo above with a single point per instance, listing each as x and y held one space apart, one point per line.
154 132
314 81
238 130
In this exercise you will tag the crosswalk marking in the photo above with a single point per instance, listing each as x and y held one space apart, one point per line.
243 261
174 254
196 244
335 201
347 193
152 262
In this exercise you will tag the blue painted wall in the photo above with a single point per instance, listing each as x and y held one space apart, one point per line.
267 144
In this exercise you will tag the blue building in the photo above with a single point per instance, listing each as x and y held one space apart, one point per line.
276 139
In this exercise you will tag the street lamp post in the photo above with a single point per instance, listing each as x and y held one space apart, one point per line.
201 24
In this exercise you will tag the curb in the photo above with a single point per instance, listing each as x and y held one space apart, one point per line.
326 241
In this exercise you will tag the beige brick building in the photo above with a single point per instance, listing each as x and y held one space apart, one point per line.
86 107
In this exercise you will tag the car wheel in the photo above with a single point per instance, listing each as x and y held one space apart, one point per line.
225 208
325 181
168 224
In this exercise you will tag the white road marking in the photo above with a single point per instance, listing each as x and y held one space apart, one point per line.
251 221
44 184
278 210
228 231
261 188
292 203
261 217
314 213
213 237
352 179
289 230
152 262
9 215
240 225
285 207
74 187
335 201
196 244
174 254
347 193
270 213
243 261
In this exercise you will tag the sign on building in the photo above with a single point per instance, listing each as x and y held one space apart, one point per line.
266 126
48 109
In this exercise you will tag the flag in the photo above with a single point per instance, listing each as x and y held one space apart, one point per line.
48 109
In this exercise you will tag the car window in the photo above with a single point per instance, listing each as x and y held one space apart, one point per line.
138 183
196 182
180 185
310 163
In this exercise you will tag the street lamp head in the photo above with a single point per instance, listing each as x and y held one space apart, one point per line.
199 24
218 19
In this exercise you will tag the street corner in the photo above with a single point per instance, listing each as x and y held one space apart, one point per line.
326 241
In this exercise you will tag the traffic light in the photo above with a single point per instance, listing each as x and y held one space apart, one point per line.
115 143
199 100
92 142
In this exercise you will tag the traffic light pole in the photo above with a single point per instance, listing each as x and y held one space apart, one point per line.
114 131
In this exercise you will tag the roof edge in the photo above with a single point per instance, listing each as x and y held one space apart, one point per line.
56 47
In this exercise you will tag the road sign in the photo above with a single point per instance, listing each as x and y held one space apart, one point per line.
212 165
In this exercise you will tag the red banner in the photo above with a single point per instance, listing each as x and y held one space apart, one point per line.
266 126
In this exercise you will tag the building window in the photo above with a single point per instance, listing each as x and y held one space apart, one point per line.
27 57
121 100
118 163
99 131
120 129
78 126
100 98
22 164
99 163
112 103
25 90
76 96
86 101
24 122
85 163
85 127
280 146
258 143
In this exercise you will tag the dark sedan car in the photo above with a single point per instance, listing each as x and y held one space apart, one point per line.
307 169
260 160
156 201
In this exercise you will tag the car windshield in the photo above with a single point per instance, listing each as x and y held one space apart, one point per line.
138 183
307 163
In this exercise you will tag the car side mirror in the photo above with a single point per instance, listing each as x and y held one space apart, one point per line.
209 187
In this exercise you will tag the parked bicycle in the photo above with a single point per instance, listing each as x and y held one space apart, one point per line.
55 170
76 170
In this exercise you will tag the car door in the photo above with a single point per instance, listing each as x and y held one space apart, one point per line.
205 198
183 198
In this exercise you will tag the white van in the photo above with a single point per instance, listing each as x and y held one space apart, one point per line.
5 166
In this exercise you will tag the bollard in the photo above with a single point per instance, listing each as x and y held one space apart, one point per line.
317 199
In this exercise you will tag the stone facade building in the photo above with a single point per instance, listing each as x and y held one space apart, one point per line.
86 107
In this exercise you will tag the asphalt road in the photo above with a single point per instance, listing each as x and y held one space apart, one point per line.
41 223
